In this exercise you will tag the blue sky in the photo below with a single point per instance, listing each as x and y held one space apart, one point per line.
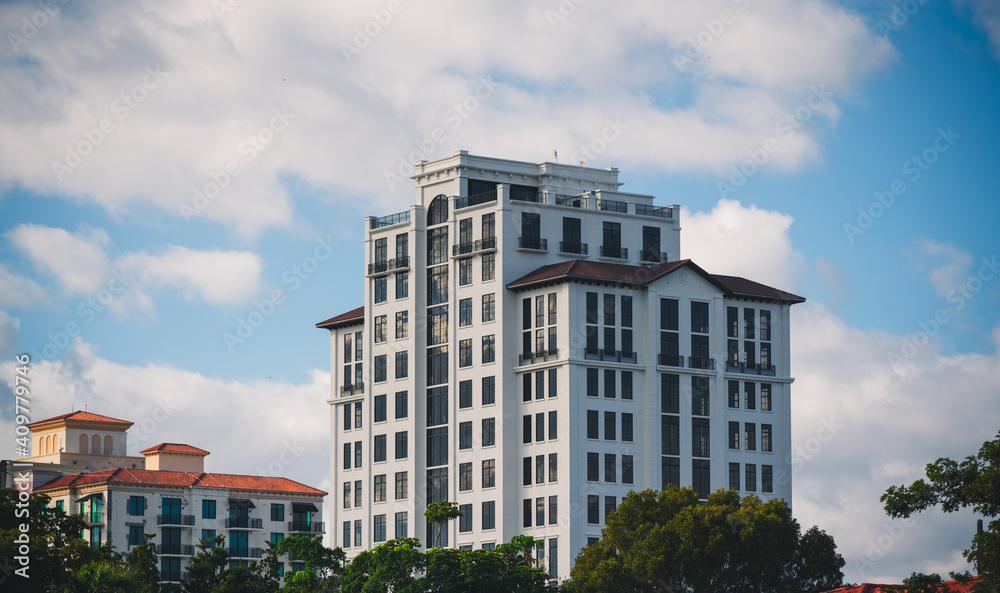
312 124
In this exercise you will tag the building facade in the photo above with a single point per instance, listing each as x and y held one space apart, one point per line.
82 466
532 347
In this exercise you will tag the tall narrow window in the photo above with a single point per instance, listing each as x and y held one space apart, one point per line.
531 231
612 246
651 244
571 237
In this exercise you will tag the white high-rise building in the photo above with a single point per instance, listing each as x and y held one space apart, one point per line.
532 347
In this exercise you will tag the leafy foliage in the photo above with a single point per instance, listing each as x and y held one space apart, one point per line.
440 513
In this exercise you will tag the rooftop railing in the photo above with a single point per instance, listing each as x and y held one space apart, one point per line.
384 221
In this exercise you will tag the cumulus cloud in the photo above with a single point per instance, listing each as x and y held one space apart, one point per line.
221 277
946 265
181 107
17 290
986 14
10 328
77 260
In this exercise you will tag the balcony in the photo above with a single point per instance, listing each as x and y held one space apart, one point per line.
571 247
175 549
669 360
476 199
381 268
470 248
537 356
612 205
302 527
173 576
182 520
384 221
244 523
660 212
705 364
653 256
765 369
610 355
352 389
241 552
92 518
535 243
614 252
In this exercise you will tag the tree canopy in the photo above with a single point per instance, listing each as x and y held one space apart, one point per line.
668 540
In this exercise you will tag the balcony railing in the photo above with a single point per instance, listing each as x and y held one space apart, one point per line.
173 576
244 523
653 256
384 221
571 247
661 212
352 389
171 519
538 355
241 552
612 205
670 360
707 364
536 243
476 199
765 369
92 517
470 248
615 252
301 527
609 355
389 265
175 549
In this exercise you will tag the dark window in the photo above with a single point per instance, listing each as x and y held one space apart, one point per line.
751 477
593 467
489 265
701 477
539 469
347 455
137 506
749 316
489 515
734 394
571 236
540 511
609 426
766 484
465 394
380 415
553 425
380 368
610 503
668 315
733 324
357 415
526 471
626 384
464 312
489 390
402 445
700 438
437 365
489 307
465 476
669 394
553 467
357 454
592 307
526 387
734 436
765 326
437 446
699 396
402 324
592 382
699 350
207 507
609 383
650 244
612 246
539 427
671 469
381 289
627 476
464 435
437 325
402 285
489 432
527 505
610 468
750 395
592 425
626 311
609 309
526 432
438 211
670 435
465 521
553 383
489 473
381 329
531 230
437 406
378 489
593 509
402 524
765 397
699 317
380 447
437 285
489 224
765 438
465 230
524 193
465 353
626 427
402 246
540 385
402 405
750 430
734 475
553 520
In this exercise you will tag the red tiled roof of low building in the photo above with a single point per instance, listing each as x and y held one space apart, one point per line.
945 587
174 448
149 477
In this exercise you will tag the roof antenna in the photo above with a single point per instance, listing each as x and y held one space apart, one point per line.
555 155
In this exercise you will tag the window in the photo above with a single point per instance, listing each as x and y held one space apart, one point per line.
465 476
765 326
751 477
465 312
137 507
358 346
402 324
347 534
402 364
650 244
357 532
489 473
464 436
700 438
438 211
379 488
489 515
465 521
347 456
402 405
134 535
734 394
765 438
609 309
553 383
626 384
402 485
489 266
437 406
539 469
734 473
610 504
357 493
670 435
378 532
733 324
347 348
553 520
539 427
526 471
592 308
699 396
670 394
464 272
357 415
347 495
402 285
489 390
489 349
380 408
380 368
489 431
592 426
489 225
381 329
700 477
766 482
277 512
750 430
610 468
627 477
750 395
531 229
765 397
526 429
553 467
699 317
357 454
437 446
489 307
609 383
593 471
571 236
626 427
437 285
540 385
610 422
592 380
612 246
464 394
380 447
437 325
734 436
593 509
465 353
95 537
381 289
540 511
671 472
553 425
402 524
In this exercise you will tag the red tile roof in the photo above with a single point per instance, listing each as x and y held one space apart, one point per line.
174 448
349 318
946 587
85 417
748 288
147 477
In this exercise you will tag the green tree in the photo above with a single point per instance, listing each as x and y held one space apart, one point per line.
323 566
208 568
670 541
974 482
142 559
105 577
439 513
392 566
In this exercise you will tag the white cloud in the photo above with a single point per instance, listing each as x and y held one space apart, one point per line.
946 265
17 290
353 120
10 328
986 14
221 277
76 260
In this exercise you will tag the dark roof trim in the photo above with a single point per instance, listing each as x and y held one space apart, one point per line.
352 317
241 503
97 495
302 507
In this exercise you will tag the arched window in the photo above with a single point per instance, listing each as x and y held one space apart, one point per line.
55 444
108 442
83 444
438 211
48 445
41 445
95 445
